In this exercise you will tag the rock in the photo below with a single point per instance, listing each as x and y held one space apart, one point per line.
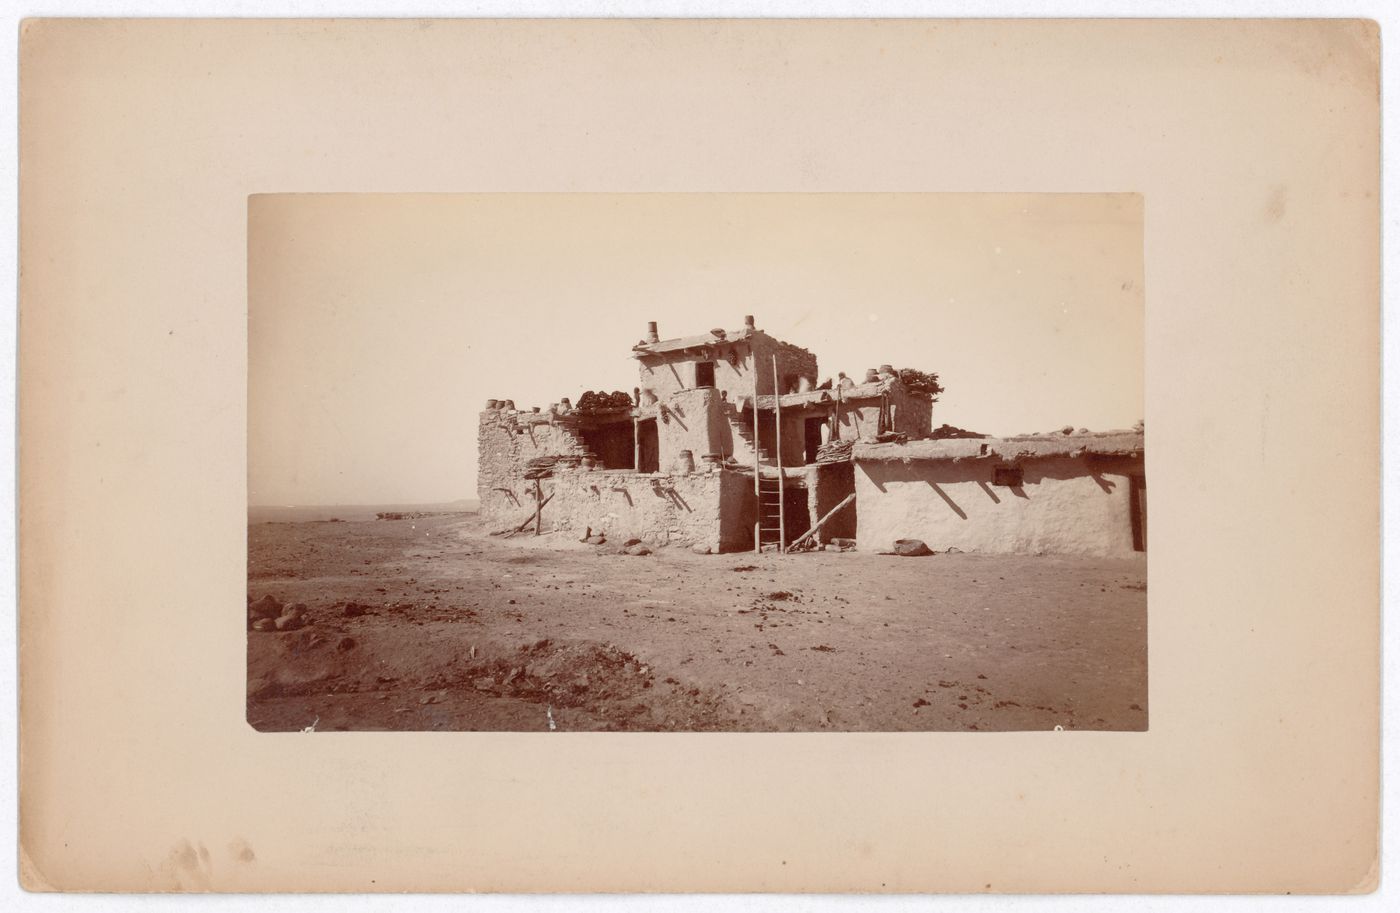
354 610
700 549
595 540
430 699
484 683
264 624
839 542
266 607
911 548
631 542
638 549
346 643
288 623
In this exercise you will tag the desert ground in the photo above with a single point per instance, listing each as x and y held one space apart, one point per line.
429 623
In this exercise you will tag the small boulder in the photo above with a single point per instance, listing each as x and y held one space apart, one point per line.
700 548
911 548
266 607
631 542
596 540
638 549
264 624
288 623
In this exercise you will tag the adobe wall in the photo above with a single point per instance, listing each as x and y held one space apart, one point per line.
911 413
693 420
658 508
1067 505
506 442
792 360
673 372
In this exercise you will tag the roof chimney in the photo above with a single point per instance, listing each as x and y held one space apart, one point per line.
651 332
748 323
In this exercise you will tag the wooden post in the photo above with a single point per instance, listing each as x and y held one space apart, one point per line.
757 471
636 444
539 506
778 446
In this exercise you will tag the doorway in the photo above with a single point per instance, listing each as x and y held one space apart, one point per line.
812 438
648 446
1137 511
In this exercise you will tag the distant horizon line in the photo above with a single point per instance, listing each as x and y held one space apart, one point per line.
372 504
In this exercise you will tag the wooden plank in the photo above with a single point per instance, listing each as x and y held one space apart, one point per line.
822 522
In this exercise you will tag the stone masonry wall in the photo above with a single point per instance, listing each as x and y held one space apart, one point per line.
506 442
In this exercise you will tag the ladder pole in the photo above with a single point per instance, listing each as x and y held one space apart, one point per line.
778 446
757 494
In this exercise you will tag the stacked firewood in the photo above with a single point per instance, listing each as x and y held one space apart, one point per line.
835 451
591 403
541 467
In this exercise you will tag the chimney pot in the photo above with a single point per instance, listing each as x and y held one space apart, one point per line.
651 332
748 322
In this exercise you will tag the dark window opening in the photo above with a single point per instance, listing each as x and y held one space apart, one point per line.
1007 476
613 444
812 438
648 447
704 374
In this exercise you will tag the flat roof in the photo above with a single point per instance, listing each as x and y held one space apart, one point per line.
1102 443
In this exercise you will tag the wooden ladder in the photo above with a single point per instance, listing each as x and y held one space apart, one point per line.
770 523
770 513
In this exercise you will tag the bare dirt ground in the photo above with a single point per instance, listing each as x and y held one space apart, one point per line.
429 623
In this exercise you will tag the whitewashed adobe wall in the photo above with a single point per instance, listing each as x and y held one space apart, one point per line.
1065 506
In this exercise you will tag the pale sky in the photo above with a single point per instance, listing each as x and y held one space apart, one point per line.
379 324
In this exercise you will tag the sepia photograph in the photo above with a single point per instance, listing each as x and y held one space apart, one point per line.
771 462
570 401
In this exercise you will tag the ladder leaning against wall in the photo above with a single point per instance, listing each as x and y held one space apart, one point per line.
770 525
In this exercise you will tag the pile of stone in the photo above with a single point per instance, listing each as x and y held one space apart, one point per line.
268 614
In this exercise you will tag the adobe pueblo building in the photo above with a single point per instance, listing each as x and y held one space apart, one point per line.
729 444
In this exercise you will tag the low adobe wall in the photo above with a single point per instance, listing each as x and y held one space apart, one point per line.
655 507
1066 505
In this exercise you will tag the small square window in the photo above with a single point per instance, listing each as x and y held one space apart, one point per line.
704 374
1007 476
